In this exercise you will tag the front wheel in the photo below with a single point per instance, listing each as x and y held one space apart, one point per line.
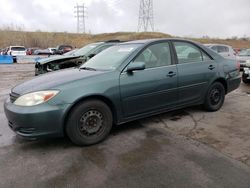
89 122
215 97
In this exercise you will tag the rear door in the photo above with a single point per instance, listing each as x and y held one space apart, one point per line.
195 70
151 89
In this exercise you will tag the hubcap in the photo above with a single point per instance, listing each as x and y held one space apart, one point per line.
91 122
215 96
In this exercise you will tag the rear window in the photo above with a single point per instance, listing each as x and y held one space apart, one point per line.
18 48
222 49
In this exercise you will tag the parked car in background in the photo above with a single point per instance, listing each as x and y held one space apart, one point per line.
52 50
224 50
61 49
4 51
246 72
71 59
237 50
30 51
43 52
15 51
242 57
124 83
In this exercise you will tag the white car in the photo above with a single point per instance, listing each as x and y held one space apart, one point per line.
52 50
15 51
242 57
222 49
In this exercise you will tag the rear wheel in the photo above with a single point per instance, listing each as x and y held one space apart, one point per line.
215 97
89 123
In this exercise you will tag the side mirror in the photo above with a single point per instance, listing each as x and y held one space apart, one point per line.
134 66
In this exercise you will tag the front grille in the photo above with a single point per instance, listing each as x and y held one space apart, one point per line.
13 97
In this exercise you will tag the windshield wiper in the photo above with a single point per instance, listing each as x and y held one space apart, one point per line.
87 68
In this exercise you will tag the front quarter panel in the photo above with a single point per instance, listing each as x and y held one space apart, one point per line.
103 85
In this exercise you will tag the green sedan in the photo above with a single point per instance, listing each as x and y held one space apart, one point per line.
126 82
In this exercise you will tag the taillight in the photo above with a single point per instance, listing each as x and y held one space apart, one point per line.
238 65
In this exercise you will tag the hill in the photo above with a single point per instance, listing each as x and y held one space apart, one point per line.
47 39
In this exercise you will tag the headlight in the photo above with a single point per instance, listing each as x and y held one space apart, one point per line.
32 99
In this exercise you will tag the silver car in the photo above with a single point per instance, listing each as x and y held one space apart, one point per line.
222 49
242 57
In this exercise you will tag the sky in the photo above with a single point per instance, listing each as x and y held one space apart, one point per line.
185 18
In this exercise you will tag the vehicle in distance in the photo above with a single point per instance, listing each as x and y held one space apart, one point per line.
242 57
1 51
71 58
30 51
246 72
224 50
15 51
61 49
43 52
52 50
126 82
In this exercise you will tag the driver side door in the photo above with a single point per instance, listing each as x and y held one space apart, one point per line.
151 89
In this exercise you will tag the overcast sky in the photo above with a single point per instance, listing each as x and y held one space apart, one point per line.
195 18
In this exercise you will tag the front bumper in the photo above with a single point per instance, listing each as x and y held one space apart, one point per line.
43 120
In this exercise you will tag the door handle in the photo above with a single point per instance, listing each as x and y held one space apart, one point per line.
211 67
171 74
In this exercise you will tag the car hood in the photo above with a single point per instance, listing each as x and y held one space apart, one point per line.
53 80
55 58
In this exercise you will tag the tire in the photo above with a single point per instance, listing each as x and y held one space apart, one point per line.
89 123
215 97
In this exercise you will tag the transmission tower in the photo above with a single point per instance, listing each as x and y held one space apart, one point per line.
146 16
80 16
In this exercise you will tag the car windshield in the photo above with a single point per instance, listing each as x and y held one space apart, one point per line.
111 58
82 51
245 53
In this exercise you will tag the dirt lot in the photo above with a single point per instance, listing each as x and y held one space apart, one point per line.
185 148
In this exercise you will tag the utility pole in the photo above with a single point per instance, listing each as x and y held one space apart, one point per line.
146 16
80 17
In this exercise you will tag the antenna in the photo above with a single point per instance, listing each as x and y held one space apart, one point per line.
80 16
146 16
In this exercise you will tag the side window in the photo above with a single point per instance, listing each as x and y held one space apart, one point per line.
205 57
187 53
156 55
222 49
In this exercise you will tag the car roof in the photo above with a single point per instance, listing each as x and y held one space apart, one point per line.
217 45
148 41
17 46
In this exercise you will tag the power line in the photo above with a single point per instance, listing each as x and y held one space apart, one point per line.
80 16
146 16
